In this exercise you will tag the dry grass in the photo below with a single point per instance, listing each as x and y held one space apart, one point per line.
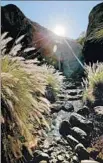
23 86
93 83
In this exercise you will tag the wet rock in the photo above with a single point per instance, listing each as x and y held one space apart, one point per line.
46 144
56 108
67 107
53 161
82 152
43 161
67 156
89 161
64 128
40 156
60 158
79 134
81 122
61 96
84 111
72 92
75 159
70 86
50 94
73 98
72 141
99 112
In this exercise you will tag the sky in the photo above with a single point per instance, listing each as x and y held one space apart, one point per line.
71 15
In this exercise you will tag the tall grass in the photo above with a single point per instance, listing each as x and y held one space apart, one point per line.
94 83
23 102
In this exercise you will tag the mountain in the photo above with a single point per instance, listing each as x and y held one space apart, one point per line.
42 39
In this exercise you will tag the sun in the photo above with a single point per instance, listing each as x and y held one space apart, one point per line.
59 30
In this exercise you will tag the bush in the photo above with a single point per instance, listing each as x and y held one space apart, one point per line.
23 102
94 83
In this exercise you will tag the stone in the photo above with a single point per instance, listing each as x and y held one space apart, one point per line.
55 108
49 94
75 159
60 157
73 98
99 112
79 134
67 156
72 92
53 161
72 141
43 161
81 151
64 128
46 144
40 156
84 111
67 107
81 122
89 161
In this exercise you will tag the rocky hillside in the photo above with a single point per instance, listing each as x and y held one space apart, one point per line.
43 40
76 126
93 47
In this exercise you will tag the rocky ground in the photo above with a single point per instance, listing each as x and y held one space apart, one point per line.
74 128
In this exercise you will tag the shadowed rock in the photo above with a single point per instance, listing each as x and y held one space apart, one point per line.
93 46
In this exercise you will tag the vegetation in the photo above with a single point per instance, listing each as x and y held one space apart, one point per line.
81 39
94 83
97 148
99 35
23 102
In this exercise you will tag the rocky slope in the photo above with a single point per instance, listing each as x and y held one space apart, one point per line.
93 47
43 40
74 127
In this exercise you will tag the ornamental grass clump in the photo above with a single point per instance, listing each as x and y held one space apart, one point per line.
23 102
94 83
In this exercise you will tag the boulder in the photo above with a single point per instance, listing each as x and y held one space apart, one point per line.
65 128
93 46
40 156
89 161
84 111
72 141
67 107
81 122
60 158
99 111
79 134
82 152
75 159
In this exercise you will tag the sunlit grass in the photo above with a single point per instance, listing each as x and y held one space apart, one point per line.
94 82
23 102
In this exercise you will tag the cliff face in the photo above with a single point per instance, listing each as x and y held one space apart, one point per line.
42 39
93 47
